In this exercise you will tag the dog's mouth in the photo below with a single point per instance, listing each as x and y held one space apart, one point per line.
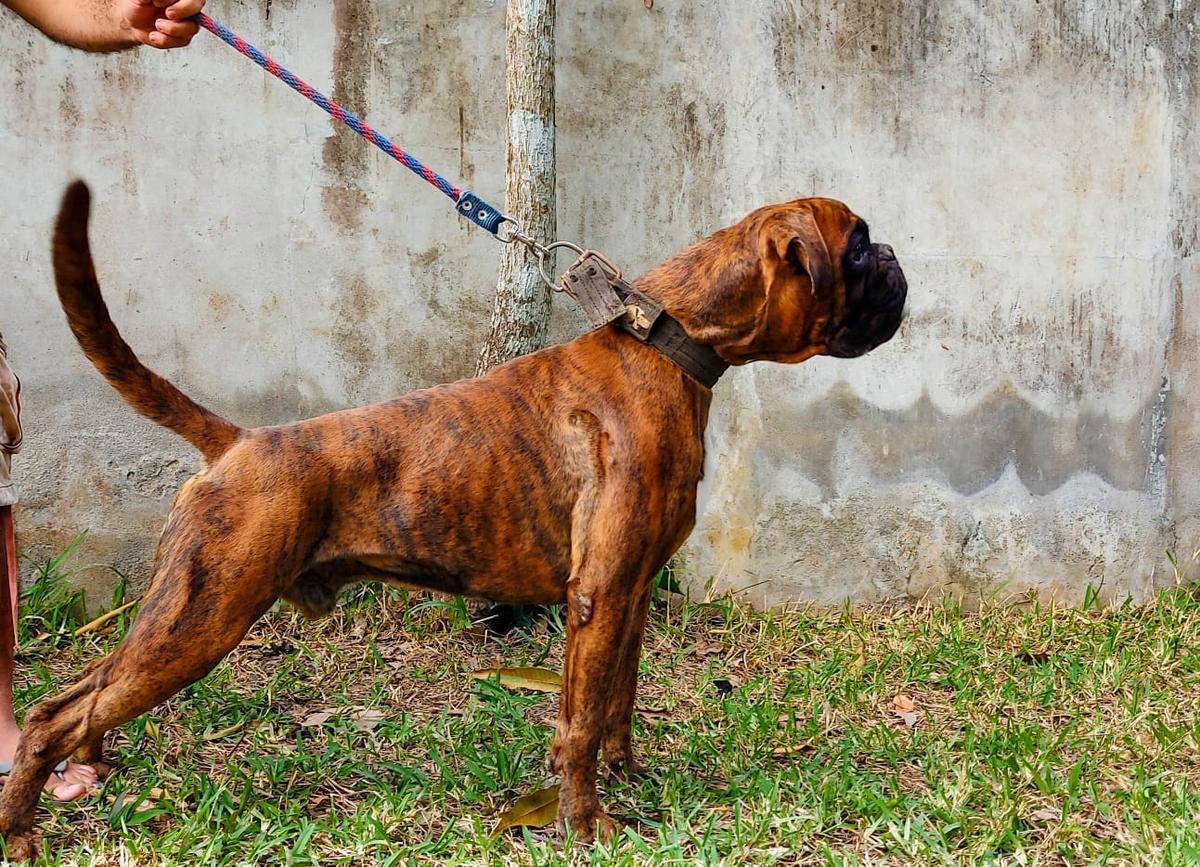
874 309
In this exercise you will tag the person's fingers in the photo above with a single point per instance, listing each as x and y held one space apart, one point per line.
181 9
178 29
162 40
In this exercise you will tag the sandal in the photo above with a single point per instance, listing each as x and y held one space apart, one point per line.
60 770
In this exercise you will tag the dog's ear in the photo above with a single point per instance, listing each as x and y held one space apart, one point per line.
796 248
798 286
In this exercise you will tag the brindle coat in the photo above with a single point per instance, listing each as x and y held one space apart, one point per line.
566 476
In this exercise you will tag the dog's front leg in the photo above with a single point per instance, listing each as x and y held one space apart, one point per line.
603 597
617 743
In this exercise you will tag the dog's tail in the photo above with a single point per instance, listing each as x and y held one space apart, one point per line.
87 314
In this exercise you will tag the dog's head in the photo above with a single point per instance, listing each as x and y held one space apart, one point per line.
788 282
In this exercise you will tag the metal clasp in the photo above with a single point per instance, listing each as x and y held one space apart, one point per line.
546 253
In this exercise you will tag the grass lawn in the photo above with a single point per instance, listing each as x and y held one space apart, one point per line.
914 735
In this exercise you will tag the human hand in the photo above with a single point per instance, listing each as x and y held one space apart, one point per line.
161 23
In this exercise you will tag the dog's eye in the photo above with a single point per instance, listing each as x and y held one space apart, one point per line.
859 253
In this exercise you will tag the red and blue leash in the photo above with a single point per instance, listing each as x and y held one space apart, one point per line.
466 203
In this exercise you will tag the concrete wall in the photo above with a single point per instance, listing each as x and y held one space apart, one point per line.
1034 165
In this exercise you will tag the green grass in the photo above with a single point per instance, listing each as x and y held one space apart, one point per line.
1042 736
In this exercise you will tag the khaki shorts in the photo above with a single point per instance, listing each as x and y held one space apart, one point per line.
10 426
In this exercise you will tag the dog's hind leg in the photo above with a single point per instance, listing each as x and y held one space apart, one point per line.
196 611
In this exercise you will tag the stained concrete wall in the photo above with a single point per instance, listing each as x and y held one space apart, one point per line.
1034 164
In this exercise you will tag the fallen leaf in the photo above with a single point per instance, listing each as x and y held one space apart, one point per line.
366 720
1044 815
1034 657
804 748
534 679
856 665
653 712
649 4
316 719
105 619
909 718
149 802
828 719
225 732
531 811
707 649
903 704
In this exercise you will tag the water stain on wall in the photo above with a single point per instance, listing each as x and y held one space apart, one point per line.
356 311
68 106
345 156
967 451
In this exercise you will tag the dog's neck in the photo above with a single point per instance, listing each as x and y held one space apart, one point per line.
713 288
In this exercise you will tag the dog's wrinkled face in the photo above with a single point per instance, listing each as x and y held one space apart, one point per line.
828 289
788 282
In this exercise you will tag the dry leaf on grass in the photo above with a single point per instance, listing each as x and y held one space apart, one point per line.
653 712
104 619
804 748
317 718
149 802
225 732
533 679
534 810
906 709
856 664
1034 657
366 720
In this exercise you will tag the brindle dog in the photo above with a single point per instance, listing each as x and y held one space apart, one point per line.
566 476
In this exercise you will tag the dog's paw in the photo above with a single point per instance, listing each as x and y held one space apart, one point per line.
554 758
617 749
589 826
22 847
623 766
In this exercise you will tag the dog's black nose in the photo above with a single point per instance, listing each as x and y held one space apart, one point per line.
886 252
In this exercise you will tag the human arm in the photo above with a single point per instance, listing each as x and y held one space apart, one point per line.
112 25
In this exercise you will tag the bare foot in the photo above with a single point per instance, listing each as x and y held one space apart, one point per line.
72 782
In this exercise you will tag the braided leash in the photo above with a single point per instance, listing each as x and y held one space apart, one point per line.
467 203
591 281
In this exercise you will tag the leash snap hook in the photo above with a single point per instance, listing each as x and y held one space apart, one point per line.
548 252
514 234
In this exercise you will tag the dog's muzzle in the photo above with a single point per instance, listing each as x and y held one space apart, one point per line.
874 315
